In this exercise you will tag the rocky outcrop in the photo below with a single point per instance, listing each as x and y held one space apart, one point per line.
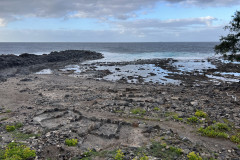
25 59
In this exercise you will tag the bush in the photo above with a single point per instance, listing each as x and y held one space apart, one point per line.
18 151
222 127
200 114
235 138
18 125
119 155
71 142
138 111
216 130
193 119
164 151
10 128
177 118
193 156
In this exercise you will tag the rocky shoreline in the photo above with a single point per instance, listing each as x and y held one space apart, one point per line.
118 118
25 63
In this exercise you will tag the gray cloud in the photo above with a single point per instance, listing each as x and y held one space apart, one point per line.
100 9
171 23
141 35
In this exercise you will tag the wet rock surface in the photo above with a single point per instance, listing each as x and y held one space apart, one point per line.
141 119
25 63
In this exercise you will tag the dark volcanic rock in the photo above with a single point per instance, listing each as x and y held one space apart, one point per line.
25 59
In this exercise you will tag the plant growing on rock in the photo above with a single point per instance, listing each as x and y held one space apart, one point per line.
235 138
138 111
201 114
193 119
193 156
119 155
18 151
175 117
71 142
164 151
10 128
215 130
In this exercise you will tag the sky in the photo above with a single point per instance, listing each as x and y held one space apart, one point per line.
115 20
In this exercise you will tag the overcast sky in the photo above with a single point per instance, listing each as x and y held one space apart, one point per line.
114 20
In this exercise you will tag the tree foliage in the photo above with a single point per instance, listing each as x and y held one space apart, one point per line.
231 43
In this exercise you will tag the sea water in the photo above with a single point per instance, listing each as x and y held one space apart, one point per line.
120 51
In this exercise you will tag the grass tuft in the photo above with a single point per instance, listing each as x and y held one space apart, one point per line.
193 119
138 111
215 130
236 138
71 142
200 114
193 156
17 151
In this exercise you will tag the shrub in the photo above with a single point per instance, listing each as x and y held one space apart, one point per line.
138 111
193 119
216 130
144 158
10 128
156 109
177 118
179 151
119 155
238 146
235 138
17 151
18 125
193 156
222 127
200 114
71 142
164 151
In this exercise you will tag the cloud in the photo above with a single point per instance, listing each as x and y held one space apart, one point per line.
73 8
152 27
206 3
166 24
100 9
141 35
2 22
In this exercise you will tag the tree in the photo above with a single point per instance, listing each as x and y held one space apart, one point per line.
231 43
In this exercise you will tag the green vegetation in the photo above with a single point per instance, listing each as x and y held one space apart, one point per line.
144 157
13 127
23 136
193 119
8 111
177 118
10 128
156 109
17 151
230 43
119 155
215 130
90 154
201 114
165 152
236 138
193 156
138 111
238 146
173 115
71 142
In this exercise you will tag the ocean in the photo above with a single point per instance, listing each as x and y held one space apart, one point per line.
120 51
